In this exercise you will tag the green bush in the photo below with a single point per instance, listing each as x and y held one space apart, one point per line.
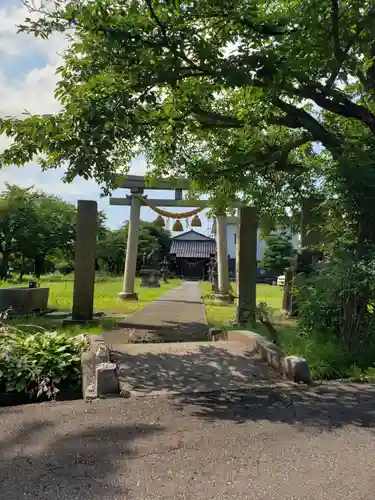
39 362
65 267
326 358
337 300
358 374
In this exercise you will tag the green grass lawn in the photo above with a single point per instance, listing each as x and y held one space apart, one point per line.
217 315
105 295
105 300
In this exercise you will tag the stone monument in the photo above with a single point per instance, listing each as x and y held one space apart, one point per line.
84 274
150 272
212 274
165 269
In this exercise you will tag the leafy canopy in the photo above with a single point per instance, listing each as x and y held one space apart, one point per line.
231 94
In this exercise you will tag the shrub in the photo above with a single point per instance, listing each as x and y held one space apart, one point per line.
65 267
337 300
278 254
326 358
39 362
358 374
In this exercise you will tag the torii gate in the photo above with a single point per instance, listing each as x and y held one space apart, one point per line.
137 184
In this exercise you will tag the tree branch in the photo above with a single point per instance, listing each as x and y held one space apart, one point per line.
335 29
338 103
207 118
264 29
299 118
278 158
292 145
343 53
156 19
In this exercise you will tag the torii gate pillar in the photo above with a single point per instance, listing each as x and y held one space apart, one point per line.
222 258
128 291
137 184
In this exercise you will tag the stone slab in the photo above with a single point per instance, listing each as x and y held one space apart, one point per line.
57 315
293 368
23 300
188 367
69 321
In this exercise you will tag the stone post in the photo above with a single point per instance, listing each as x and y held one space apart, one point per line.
246 263
312 222
85 249
222 258
128 292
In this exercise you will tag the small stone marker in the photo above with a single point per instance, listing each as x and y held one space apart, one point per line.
296 369
215 334
106 379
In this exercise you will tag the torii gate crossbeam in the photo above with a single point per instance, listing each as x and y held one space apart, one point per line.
137 184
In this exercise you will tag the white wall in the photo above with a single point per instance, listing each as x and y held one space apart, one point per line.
231 235
261 245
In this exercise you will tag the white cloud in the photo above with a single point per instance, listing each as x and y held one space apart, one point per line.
21 44
4 142
33 90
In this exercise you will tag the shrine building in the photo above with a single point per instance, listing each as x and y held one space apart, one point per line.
190 254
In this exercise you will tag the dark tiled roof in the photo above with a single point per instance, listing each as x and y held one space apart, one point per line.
192 236
193 249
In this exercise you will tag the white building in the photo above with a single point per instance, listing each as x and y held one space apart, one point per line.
232 223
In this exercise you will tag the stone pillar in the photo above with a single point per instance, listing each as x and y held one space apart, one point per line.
222 258
128 292
312 223
246 263
85 250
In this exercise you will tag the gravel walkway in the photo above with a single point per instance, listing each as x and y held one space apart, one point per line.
265 444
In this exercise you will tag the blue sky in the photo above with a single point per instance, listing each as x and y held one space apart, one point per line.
27 82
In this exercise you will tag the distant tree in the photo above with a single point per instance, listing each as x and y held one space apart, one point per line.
152 237
112 246
54 229
35 225
278 254
111 251
17 217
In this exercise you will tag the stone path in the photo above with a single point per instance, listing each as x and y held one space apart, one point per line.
189 367
178 359
176 316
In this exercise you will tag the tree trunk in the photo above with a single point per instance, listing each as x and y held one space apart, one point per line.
4 267
39 265
22 271
356 332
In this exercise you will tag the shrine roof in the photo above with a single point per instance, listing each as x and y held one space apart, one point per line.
193 245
